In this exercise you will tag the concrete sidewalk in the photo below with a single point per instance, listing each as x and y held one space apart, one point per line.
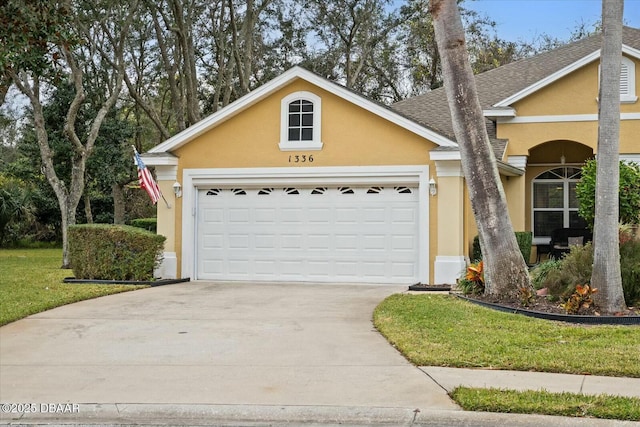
450 378
241 354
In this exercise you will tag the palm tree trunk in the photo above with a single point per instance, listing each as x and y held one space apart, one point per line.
506 272
606 276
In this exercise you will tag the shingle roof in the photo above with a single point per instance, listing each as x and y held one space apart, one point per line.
432 109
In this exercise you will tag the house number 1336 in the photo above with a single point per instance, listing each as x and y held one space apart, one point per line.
301 158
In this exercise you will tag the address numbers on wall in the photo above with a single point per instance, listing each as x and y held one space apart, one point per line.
301 158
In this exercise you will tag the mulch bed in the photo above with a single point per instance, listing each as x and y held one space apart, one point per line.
541 307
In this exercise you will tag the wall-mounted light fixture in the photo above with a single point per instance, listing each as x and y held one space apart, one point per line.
177 189
433 190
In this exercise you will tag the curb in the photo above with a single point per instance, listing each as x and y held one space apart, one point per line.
282 415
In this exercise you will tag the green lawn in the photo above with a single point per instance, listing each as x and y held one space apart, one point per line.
442 330
31 282
544 402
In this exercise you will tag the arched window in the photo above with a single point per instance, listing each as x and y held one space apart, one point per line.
300 122
555 204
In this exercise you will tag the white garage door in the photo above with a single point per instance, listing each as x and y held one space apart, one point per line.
320 234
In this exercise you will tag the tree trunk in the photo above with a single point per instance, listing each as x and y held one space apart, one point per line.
506 272
606 276
87 208
118 203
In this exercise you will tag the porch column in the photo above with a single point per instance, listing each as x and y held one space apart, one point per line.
515 192
166 175
515 189
450 257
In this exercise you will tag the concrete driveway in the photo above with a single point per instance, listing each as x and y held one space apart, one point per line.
215 344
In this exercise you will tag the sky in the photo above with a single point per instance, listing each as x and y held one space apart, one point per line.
526 19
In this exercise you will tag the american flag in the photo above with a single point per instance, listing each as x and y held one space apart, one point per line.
146 180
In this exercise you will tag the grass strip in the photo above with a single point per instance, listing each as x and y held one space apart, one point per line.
31 282
441 330
546 403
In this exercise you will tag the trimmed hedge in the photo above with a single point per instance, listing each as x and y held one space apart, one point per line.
524 238
149 224
113 252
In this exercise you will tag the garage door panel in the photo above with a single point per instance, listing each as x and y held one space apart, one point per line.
346 269
403 269
213 216
376 215
318 216
214 268
374 242
240 267
292 242
403 243
239 241
213 241
265 215
346 242
319 242
291 215
325 234
239 216
346 216
403 215
265 242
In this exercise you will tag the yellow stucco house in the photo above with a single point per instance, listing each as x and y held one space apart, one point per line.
304 180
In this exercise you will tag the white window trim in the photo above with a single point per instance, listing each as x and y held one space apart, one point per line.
316 142
566 210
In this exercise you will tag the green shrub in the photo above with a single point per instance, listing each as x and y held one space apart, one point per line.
541 271
524 239
573 269
149 224
630 269
629 193
113 252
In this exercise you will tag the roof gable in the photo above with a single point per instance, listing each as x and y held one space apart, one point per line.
560 74
500 87
283 80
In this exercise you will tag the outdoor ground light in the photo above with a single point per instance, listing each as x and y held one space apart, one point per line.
177 189
433 190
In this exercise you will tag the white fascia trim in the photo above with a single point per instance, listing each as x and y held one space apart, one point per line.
564 118
518 161
285 78
168 160
499 112
548 80
192 179
630 158
444 155
448 168
166 173
631 51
